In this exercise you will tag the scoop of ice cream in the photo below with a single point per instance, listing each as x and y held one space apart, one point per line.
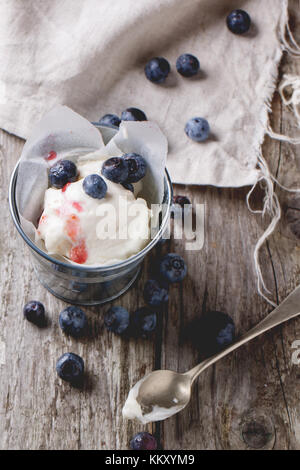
132 409
93 231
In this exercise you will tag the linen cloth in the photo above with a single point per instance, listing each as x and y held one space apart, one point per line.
90 55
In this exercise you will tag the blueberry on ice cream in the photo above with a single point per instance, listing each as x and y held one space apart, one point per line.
63 172
78 217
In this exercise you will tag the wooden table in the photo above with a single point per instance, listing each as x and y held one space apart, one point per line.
248 400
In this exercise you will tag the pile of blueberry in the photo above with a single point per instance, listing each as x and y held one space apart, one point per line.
158 68
142 322
73 322
187 65
129 114
64 172
127 169
70 366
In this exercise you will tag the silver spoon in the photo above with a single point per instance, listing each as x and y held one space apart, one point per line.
163 393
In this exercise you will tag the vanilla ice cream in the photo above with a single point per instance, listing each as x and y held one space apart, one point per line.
93 231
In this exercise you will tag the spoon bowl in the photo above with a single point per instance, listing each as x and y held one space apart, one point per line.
164 388
157 396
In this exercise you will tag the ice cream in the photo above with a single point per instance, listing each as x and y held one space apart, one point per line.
93 231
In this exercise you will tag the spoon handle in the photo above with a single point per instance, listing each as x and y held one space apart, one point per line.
289 308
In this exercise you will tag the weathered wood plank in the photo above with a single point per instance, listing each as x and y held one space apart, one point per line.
258 383
37 410
247 400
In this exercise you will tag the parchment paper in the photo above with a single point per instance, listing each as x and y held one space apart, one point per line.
70 135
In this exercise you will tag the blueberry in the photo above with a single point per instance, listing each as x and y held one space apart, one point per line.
116 320
70 368
180 205
181 200
157 69
133 114
110 120
34 311
63 172
143 322
73 321
238 21
137 167
143 441
215 331
187 65
197 129
115 169
173 268
155 294
94 186
128 186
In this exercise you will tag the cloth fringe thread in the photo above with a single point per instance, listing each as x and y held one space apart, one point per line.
289 91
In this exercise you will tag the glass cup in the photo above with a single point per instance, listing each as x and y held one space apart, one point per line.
84 285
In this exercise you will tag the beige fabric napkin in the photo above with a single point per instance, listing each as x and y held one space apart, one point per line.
90 55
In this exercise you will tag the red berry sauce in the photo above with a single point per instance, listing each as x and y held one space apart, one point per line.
78 253
77 206
51 156
73 227
65 187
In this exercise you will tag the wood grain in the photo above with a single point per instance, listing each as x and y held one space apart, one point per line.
248 400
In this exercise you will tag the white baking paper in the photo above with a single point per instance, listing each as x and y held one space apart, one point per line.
70 135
